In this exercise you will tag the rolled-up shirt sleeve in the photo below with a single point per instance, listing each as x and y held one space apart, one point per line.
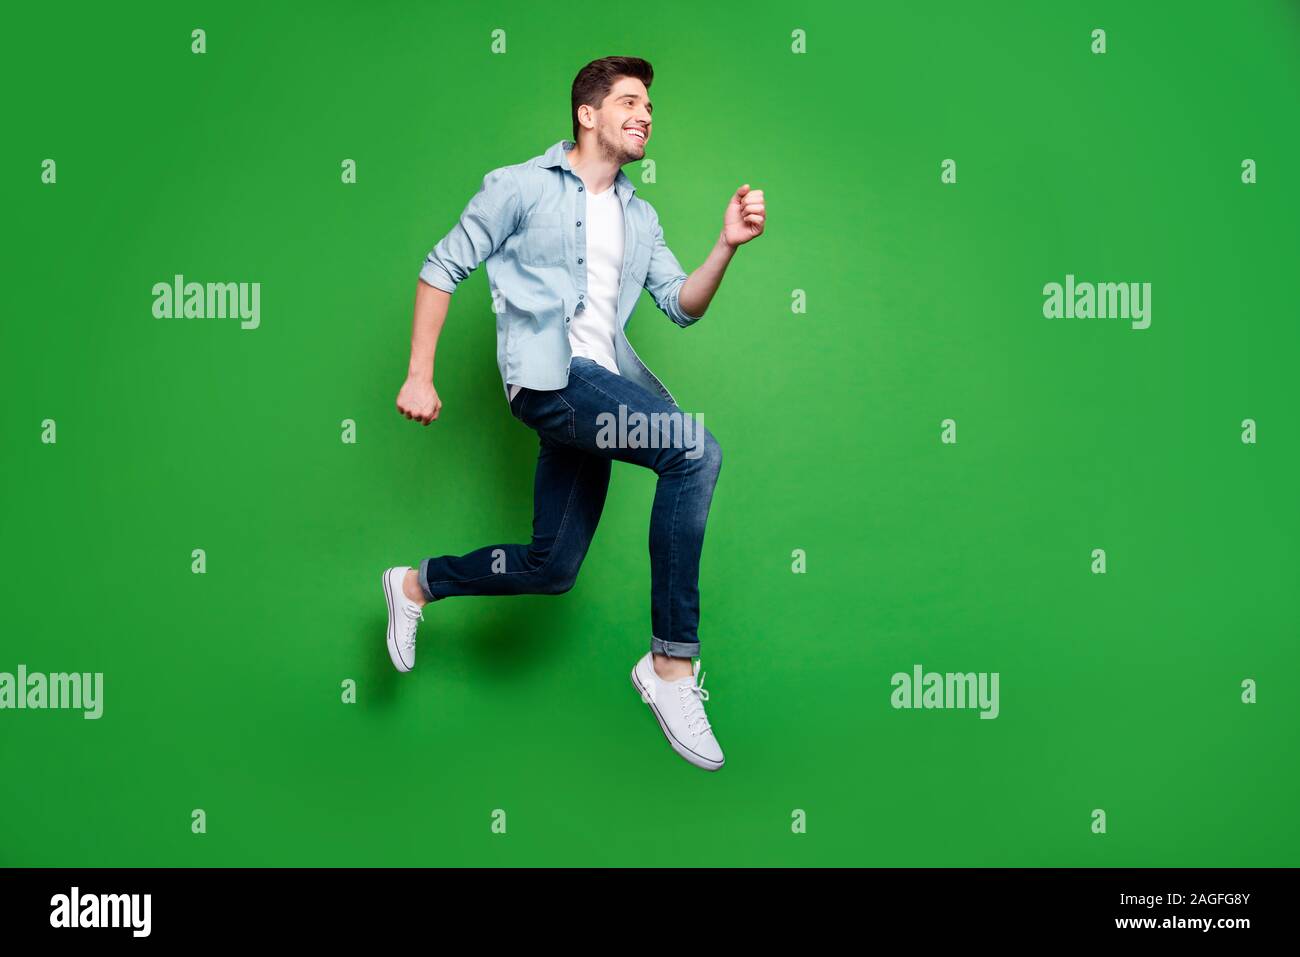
491 215
664 278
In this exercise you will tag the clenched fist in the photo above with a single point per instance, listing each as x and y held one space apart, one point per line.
746 213
418 400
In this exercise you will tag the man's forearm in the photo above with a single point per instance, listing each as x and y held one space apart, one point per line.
697 292
430 313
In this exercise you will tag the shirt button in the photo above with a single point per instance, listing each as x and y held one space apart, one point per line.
579 262
579 295
579 222
579 189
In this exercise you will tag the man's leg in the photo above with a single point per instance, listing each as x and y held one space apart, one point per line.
687 459
610 416
568 496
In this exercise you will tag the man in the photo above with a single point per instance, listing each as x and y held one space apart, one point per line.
568 247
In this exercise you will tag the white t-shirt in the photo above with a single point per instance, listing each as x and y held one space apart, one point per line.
595 321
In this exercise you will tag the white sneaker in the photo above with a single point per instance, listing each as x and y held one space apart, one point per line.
679 707
404 617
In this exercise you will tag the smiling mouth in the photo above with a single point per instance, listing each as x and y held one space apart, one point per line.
636 134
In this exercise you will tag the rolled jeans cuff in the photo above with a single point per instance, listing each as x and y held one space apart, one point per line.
423 577
675 649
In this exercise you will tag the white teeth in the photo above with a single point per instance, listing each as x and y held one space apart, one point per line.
638 134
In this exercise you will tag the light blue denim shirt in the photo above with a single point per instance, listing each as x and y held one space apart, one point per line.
526 221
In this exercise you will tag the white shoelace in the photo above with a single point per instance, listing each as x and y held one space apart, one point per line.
413 613
696 720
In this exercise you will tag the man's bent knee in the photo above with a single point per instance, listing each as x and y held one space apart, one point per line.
552 573
706 454
553 580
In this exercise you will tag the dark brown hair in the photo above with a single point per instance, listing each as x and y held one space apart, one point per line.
596 79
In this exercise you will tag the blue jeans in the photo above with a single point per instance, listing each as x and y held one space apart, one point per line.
577 426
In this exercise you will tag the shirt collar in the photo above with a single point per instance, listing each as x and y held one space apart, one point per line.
555 156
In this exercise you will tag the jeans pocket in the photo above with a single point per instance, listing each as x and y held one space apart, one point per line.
518 402
547 413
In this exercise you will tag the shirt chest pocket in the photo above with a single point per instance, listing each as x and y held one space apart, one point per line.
542 243
640 262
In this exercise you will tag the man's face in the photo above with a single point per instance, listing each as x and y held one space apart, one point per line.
623 115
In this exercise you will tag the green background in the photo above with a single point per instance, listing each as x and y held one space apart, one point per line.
222 691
